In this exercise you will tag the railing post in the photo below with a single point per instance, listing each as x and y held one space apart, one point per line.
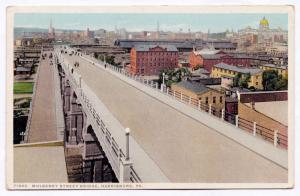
237 120
162 87
174 94
275 138
156 85
210 109
167 91
181 96
223 114
125 163
254 128
127 132
199 104
190 100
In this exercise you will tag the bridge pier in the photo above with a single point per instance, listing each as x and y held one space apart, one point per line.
86 160
96 167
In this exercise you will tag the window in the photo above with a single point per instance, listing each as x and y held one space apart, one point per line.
221 99
214 99
256 83
206 100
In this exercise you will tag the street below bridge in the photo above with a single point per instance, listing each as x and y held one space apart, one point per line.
183 148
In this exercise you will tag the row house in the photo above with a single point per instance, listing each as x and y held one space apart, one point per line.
207 58
149 60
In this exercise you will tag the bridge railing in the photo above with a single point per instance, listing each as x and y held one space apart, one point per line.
278 139
111 134
88 101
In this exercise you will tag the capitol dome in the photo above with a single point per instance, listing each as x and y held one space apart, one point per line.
264 25
264 21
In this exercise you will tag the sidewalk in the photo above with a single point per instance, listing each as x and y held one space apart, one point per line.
43 121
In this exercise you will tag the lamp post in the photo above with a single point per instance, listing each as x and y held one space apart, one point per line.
163 82
23 135
127 132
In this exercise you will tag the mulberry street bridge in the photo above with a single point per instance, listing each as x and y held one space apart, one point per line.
122 128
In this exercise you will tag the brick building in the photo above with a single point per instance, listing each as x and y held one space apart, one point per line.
207 58
152 59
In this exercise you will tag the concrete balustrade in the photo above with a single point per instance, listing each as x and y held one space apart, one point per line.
254 128
237 120
275 138
223 114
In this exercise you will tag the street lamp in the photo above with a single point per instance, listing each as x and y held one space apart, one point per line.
23 135
127 132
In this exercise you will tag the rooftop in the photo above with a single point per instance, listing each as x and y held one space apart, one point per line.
169 48
278 110
206 51
252 71
188 44
23 69
275 66
212 56
192 86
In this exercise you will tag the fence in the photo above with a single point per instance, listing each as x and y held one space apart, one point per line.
278 139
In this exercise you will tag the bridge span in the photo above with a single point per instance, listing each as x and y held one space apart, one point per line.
165 143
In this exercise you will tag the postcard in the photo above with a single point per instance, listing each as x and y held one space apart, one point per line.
150 97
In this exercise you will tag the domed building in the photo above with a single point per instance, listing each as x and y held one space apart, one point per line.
264 36
264 24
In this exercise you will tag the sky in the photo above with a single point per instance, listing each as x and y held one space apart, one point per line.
148 22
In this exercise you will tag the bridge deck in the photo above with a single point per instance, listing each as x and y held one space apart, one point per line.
43 122
184 149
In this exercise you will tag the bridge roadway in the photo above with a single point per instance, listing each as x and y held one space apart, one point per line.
185 149
42 126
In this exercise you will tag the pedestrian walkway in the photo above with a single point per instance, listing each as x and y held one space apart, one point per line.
43 121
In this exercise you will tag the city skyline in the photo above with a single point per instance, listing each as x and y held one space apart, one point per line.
150 22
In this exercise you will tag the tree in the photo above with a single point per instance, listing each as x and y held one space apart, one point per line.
282 84
269 79
182 73
236 80
273 81
173 76
244 80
